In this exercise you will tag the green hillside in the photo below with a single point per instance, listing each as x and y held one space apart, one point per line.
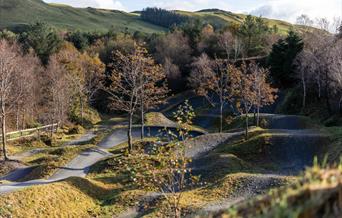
17 13
221 18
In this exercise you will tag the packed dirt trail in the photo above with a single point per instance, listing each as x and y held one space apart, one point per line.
296 144
80 165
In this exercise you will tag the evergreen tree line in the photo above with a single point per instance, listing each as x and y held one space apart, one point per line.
163 17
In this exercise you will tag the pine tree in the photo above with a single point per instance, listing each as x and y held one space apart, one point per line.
281 60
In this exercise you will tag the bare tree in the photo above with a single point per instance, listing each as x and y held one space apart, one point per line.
336 25
244 91
231 44
226 42
172 72
305 65
211 76
28 83
57 92
335 68
167 171
304 20
323 23
312 63
265 94
153 87
174 46
125 87
13 74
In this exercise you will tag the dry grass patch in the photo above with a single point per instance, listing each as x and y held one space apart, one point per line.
318 194
75 197
158 119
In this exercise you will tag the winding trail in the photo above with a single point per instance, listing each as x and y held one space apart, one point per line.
23 171
296 141
80 165
296 132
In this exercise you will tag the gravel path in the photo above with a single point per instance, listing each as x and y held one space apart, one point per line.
254 185
203 144
295 142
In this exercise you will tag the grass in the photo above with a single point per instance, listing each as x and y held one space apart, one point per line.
51 157
23 145
318 194
158 119
74 197
226 173
224 189
90 116
302 122
111 121
220 18
19 13
50 160
16 14
108 190
334 153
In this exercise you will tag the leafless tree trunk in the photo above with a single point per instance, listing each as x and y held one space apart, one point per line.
3 129
304 89
340 105
258 116
129 132
247 124
82 109
212 76
221 92
17 118
142 134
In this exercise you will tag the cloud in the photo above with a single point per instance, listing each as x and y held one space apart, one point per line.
110 4
279 9
290 9
107 4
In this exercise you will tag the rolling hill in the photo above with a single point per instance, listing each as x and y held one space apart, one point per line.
221 18
18 13
15 14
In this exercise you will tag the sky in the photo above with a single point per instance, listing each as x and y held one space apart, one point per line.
287 10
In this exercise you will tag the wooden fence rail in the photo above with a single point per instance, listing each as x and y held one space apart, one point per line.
26 133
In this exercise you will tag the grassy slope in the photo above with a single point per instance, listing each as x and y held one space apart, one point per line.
23 12
222 17
74 197
317 195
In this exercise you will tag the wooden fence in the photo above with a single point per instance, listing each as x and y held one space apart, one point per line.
27 133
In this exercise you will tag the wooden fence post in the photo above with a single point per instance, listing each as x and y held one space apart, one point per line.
38 133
